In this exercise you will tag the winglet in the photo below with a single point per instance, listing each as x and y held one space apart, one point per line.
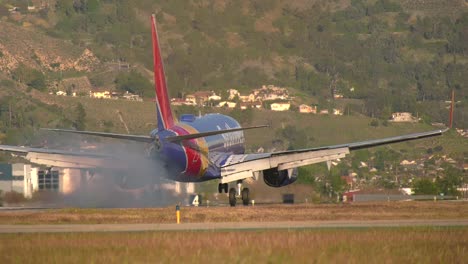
165 118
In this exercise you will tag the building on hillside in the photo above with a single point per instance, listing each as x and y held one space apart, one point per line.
61 93
244 98
132 97
14 9
214 97
462 132
270 92
281 106
303 108
190 98
403 117
337 95
232 94
202 97
100 94
178 101
227 104
247 105
324 112
337 111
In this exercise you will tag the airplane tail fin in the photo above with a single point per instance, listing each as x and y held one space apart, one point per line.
163 105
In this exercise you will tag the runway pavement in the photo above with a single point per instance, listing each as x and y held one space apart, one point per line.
234 226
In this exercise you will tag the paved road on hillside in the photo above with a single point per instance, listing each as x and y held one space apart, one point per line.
64 228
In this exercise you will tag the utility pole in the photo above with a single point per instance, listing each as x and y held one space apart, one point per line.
10 114
452 105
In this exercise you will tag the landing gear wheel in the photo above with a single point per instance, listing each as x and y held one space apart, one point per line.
225 187
245 196
232 197
220 188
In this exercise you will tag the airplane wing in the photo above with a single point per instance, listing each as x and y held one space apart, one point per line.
239 167
63 158
138 138
210 133
147 139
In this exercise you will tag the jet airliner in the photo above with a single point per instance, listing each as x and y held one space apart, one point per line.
203 148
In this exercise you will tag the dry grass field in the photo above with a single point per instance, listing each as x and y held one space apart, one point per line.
258 213
327 245
367 245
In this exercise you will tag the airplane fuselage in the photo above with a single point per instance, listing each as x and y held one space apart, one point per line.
192 160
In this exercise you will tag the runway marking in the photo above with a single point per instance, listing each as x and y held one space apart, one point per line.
234 226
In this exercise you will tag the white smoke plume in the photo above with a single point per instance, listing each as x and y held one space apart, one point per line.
141 183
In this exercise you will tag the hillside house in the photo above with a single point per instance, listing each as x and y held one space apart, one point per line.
247 98
246 105
233 93
337 111
303 108
324 112
280 106
132 97
201 98
462 132
337 95
100 94
214 97
178 101
270 92
14 9
61 93
403 117
227 104
191 99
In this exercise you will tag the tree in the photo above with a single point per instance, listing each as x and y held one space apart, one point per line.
65 7
29 76
424 186
297 138
450 181
80 117
135 83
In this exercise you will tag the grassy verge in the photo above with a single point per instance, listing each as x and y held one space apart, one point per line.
373 245
261 213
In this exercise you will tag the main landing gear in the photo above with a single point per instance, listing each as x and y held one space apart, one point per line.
223 187
234 193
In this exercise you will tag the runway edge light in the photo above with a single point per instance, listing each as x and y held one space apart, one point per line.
178 213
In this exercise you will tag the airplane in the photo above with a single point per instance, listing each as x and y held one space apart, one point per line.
203 148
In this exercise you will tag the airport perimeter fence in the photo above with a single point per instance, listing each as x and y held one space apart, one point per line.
398 197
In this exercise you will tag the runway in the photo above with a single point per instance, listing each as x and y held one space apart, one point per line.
230 226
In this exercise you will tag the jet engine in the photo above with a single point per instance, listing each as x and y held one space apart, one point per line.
279 178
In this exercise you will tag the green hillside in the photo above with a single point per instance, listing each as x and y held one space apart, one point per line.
382 55
394 55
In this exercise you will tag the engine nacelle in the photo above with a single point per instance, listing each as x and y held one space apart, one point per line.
275 178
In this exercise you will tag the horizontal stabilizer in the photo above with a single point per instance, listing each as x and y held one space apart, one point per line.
210 133
137 138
